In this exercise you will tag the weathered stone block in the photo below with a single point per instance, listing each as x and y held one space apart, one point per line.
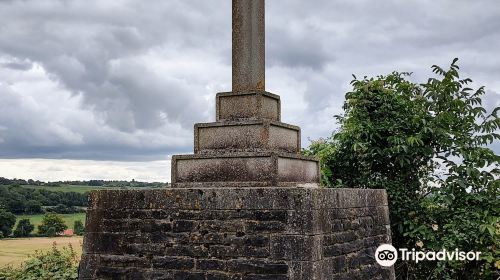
262 169
248 105
292 233
246 136
296 247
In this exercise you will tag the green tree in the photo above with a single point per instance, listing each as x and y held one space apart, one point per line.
426 144
51 232
79 228
24 228
7 222
52 224
33 207
16 204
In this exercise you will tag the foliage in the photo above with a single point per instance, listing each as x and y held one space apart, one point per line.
56 264
63 209
96 183
21 200
33 207
5 181
29 197
426 145
51 232
51 225
24 228
69 219
7 222
78 227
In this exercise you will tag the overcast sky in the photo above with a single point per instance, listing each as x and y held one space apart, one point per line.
111 89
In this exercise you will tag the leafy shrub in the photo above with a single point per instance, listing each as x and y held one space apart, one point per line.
24 228
51 232
426 144
51 225
78 227
63 209
55 264
7 222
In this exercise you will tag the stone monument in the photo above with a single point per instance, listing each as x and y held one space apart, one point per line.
246 205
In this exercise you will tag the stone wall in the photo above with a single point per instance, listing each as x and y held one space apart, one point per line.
235 233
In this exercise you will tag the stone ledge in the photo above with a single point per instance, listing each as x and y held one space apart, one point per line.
246 136
266 168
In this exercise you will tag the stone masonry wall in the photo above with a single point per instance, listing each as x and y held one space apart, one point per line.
235 233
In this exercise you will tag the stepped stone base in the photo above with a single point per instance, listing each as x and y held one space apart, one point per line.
250 168
294 233
248 135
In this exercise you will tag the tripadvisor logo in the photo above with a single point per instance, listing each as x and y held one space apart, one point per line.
386 255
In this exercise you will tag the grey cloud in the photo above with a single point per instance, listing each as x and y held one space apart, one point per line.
491 100
32 129
17 65
300 50
378 37
139 74
77 42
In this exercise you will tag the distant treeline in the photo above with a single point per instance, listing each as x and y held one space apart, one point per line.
94 183
5 181
19 200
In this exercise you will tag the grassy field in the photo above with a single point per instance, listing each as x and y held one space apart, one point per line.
13 251
69 219
65 188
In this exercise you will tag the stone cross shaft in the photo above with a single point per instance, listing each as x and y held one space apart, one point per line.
248 145
248 45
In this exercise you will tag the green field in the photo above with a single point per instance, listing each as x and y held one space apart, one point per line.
13 251
69 219
65 188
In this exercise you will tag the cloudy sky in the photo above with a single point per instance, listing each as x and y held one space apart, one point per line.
110 89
